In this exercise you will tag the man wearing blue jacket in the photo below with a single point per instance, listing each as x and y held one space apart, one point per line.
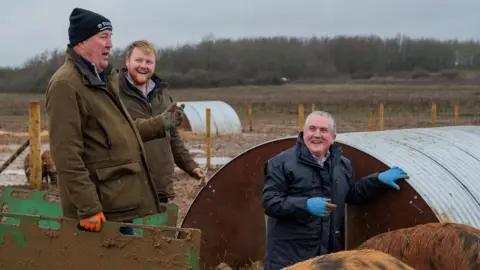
305 191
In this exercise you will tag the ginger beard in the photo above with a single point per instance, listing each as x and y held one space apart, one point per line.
140 76
141 66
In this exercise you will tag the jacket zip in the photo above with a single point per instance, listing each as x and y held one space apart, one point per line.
108 140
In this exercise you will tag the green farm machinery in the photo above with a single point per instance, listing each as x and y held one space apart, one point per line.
34 235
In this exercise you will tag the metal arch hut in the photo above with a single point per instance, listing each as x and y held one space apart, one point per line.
224 119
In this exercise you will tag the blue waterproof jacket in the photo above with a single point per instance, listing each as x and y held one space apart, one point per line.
293 176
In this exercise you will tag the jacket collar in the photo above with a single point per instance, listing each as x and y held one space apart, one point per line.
306 156
128 88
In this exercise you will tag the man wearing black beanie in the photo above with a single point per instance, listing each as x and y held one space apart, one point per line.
96 146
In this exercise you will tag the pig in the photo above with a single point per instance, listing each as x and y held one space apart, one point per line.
431 246
49 171
352 260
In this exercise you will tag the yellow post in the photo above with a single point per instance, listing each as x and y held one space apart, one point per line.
300 117
208 137
380 124
372 120
250 117
313 107
456 112
434 114
34 133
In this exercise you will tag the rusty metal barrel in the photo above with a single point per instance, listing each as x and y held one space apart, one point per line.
443 186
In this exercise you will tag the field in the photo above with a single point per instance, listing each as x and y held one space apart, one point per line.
275 115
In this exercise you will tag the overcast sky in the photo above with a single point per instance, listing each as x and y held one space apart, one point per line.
29 27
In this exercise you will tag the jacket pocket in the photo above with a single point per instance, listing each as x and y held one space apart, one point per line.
120 187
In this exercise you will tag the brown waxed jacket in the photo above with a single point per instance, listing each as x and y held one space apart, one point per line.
162 153
96 146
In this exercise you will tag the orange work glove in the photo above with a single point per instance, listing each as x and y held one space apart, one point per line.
93 223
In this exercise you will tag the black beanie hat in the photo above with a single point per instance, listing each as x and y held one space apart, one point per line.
84 24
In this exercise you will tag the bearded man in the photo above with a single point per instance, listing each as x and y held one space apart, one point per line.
145 95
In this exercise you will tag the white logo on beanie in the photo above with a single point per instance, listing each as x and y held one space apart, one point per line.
104 25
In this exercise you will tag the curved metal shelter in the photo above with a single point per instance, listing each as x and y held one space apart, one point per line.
224 119
442 164
443 187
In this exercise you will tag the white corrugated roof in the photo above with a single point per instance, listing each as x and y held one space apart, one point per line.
443 164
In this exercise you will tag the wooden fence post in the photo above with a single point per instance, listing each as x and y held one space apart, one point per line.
456 112
208 135
35 141
300 117
372 120
250 117
380 124
434 114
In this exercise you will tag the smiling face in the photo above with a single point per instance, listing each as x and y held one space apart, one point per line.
141 65
318 134
96 49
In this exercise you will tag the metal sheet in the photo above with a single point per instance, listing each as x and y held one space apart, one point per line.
224 119
388 211
443 168
228 210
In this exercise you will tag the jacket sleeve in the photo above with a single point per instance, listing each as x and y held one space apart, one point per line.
275 199
66 113
363 189
150 128
181 155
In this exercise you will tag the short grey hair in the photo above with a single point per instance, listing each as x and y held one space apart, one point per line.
333 125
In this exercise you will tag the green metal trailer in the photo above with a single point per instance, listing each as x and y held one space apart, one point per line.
34 235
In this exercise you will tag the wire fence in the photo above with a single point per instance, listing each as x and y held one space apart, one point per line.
288 121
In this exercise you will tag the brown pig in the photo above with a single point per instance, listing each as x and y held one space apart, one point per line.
352 260
49 171
431 246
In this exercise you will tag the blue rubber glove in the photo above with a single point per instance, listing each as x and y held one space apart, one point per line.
389 177
320 206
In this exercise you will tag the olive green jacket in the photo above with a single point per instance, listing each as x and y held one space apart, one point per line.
162 153
96 146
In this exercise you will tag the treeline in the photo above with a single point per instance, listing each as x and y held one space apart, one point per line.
225 62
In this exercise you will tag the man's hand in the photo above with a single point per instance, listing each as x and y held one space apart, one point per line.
389 177
320 206
199 174
93 223
173 116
